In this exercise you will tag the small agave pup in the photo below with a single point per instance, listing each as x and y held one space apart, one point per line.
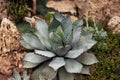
16 76
60 50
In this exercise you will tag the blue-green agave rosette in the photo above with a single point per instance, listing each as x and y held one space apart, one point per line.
60 50
16 76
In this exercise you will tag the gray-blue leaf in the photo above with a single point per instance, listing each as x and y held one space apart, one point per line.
54 37
85 70
25 45
66 25
33 41
56 63
62 50
64 75
74 53
73 66
57 18
85 43
16 75
76 36
77 23
27 64
87 59
42 32
25 76
44 72
34 58
11 79
44 53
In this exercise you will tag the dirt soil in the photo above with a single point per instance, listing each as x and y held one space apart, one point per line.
11 54
102 9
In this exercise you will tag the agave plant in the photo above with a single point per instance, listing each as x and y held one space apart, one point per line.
98 34
59 50
16 76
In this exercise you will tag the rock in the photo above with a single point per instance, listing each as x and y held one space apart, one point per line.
102 9
3 9
9 37
114 24
10 49
65 6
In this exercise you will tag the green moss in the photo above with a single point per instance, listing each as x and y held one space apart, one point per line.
17 9
107 51
108 68
108 45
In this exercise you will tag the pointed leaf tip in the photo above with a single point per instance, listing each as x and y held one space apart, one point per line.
73 66
64 75
57 62
44 53
87 59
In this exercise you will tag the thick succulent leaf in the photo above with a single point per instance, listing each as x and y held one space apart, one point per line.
56 78
42 32
64 75
44 53
43 72
25 76
66 25
25 45
16 75
45 42
76 36
33 41
56 63
53 25
42 28
73 66
34 58
87 59
11 79
88 29
74 53
62 50
77 27
77 23
57 18
55 38
27 64
85 70
87 35
59 31
85 43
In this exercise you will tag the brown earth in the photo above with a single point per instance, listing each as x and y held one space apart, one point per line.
3 9
11 53
102 9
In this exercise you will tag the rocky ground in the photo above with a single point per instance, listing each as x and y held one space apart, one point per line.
102 9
